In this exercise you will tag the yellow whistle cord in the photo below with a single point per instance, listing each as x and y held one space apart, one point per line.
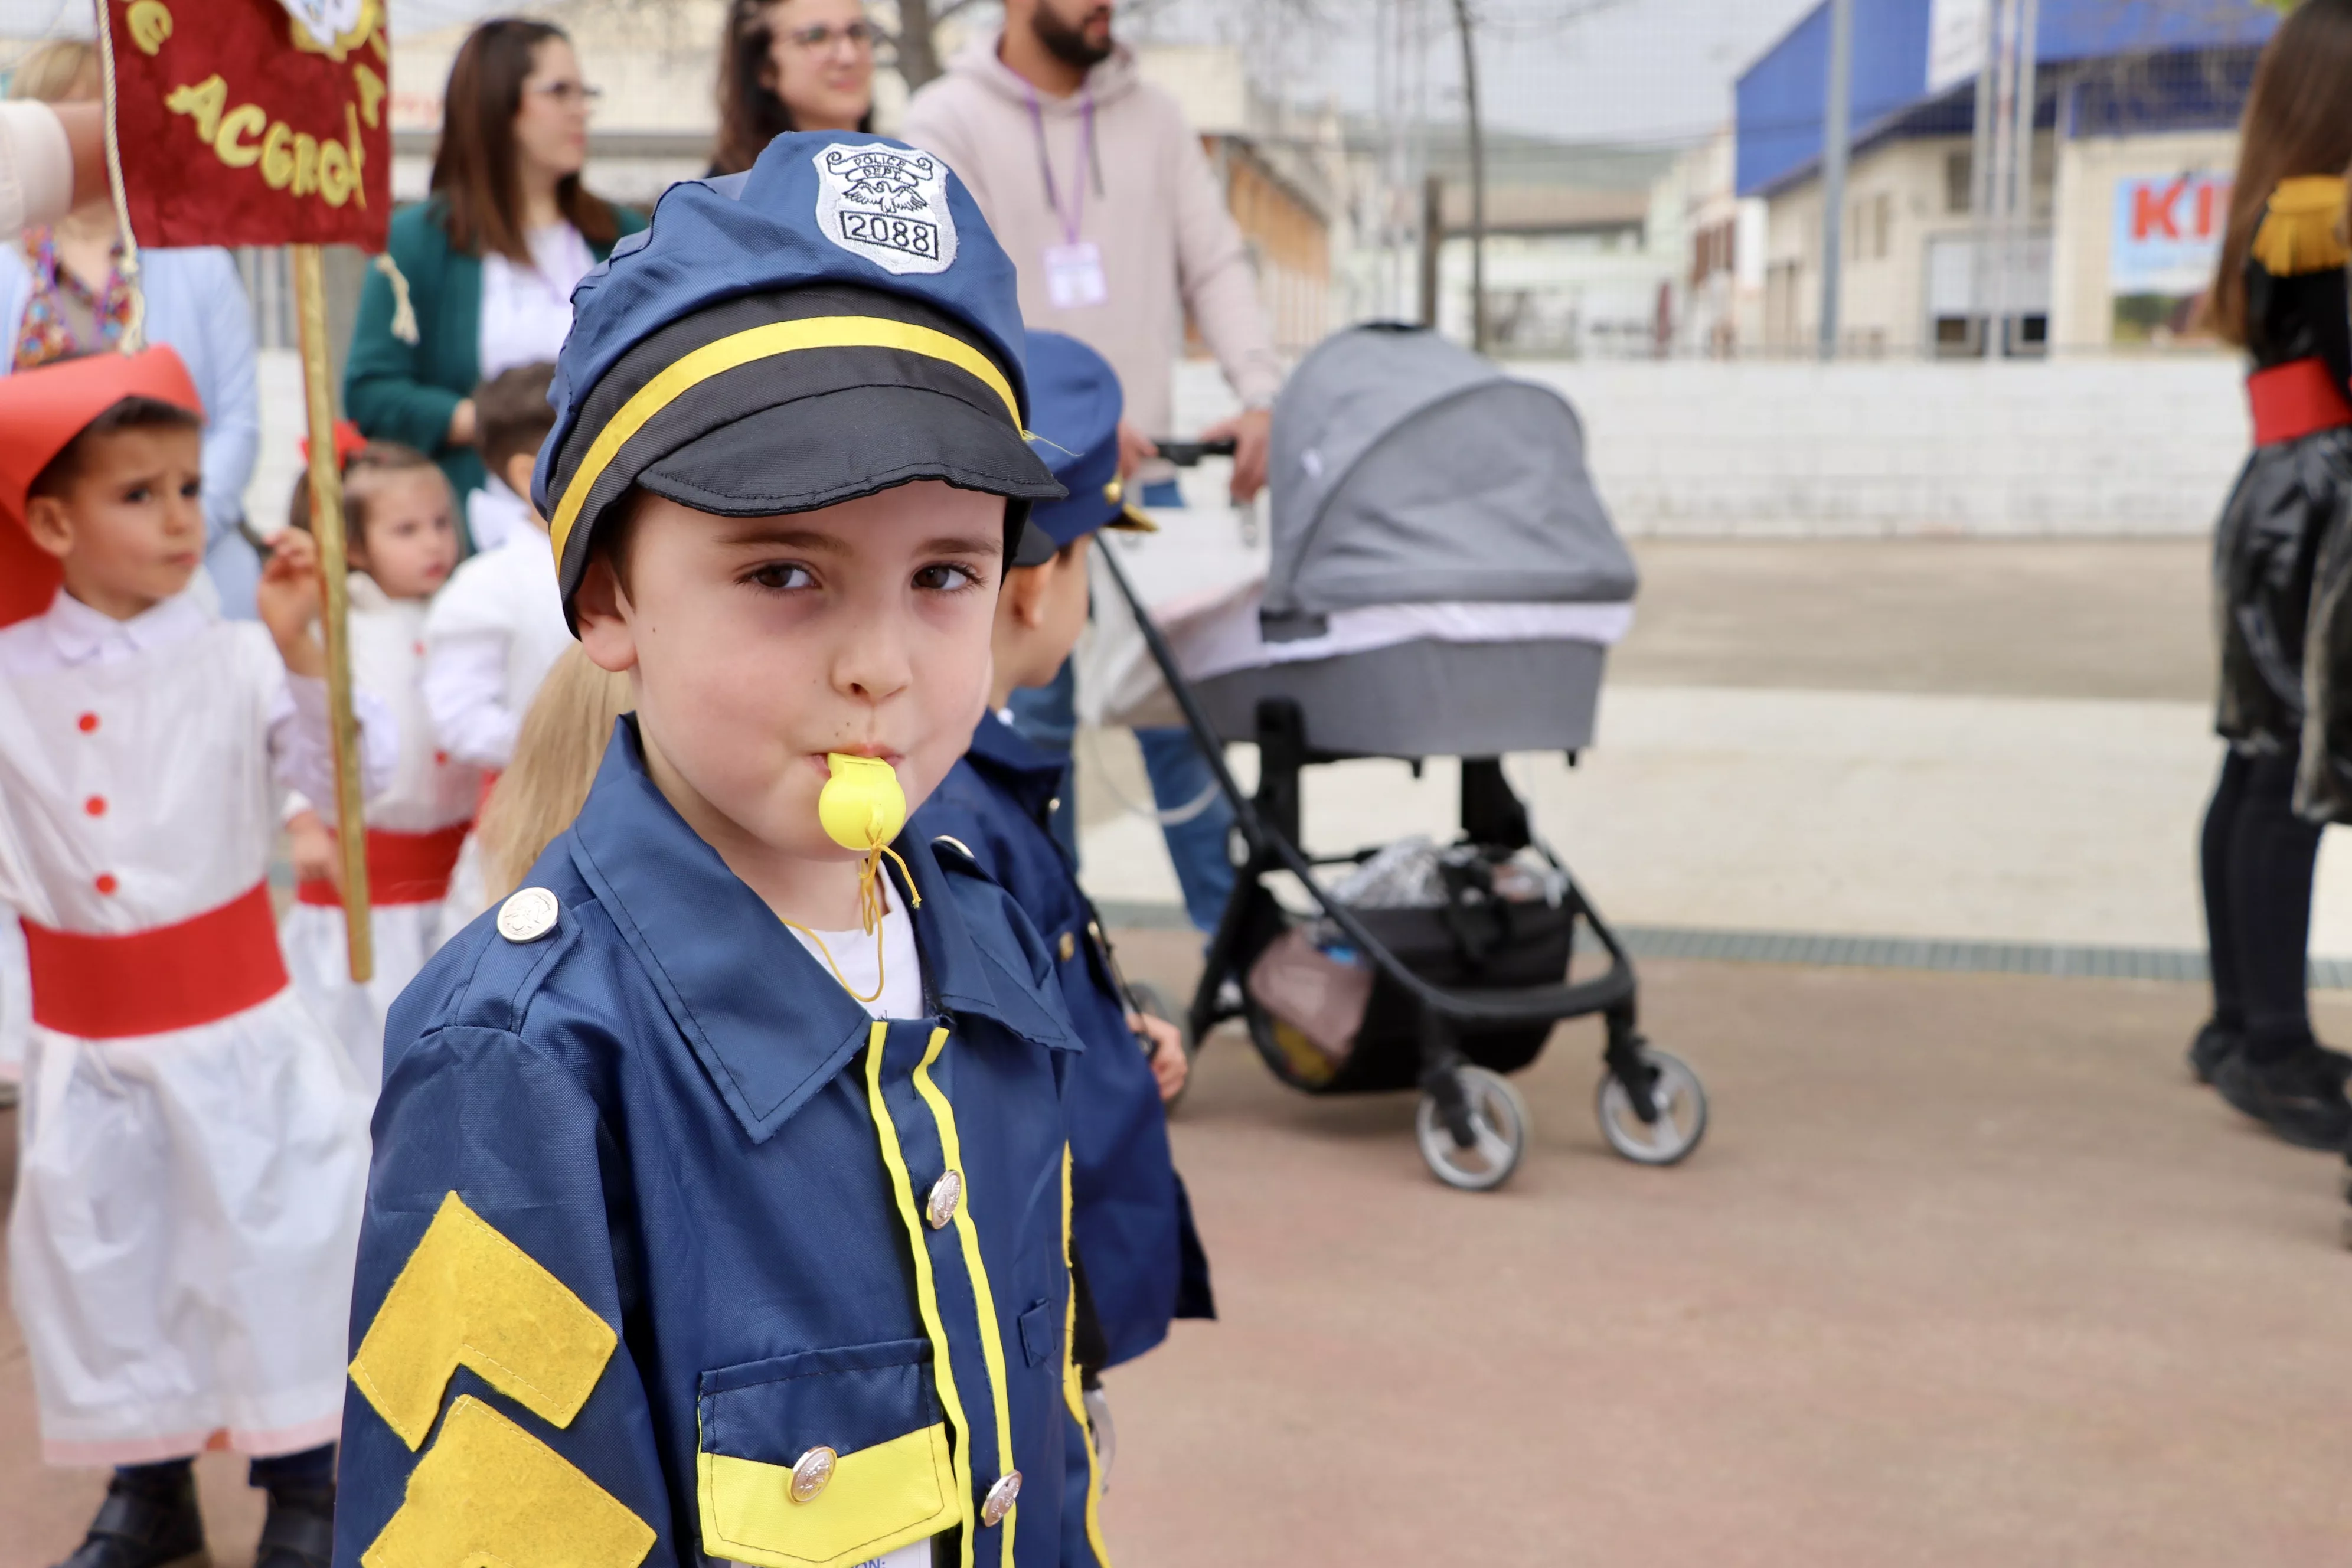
869 917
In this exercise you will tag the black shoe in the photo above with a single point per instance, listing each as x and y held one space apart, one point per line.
2300 1095
301 1529
2214 1044
142 1525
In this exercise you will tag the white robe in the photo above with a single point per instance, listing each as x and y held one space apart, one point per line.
187 1202
491 637
430 789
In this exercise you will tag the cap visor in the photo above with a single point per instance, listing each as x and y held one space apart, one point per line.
837 446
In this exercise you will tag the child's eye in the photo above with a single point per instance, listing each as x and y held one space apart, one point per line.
782 577
137 494
193 491
945 577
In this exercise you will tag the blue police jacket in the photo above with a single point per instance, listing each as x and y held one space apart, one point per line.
673 1254
1132 1222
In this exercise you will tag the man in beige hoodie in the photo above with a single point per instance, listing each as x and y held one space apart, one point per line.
1101 195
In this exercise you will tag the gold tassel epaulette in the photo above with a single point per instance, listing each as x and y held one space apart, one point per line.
2303 226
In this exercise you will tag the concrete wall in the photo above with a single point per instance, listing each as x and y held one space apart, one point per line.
2092 445
2081 446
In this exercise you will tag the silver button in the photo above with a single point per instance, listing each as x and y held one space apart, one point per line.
946 1194
1055 804
811 1473
527 915
1001 1498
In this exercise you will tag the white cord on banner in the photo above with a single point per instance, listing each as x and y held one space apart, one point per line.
135 331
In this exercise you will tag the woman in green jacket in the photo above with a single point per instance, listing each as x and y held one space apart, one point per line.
478 278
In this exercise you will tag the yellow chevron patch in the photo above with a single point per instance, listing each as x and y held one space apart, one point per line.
490 1492
469 1297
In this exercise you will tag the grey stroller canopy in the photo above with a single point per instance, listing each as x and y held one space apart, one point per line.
1408 470
1444 580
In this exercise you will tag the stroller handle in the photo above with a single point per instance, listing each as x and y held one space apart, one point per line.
1188 454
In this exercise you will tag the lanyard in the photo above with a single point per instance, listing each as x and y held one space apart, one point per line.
1070 224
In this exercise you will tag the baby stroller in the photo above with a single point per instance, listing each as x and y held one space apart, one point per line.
1444 582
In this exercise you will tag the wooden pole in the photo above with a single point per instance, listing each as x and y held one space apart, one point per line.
327 528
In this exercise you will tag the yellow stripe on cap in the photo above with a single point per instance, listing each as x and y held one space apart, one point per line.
743 348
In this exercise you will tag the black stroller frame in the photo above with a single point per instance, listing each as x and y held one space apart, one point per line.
1472 1123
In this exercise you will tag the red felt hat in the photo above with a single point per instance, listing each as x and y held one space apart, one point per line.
41 411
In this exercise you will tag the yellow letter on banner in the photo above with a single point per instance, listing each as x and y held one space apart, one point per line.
469 1297
490 1492
205 100
244 120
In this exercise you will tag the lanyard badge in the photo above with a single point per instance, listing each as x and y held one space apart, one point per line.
1074 269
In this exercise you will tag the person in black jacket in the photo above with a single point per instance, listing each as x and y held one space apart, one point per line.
2280 292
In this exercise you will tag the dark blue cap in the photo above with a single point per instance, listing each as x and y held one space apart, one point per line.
837 319
1074 408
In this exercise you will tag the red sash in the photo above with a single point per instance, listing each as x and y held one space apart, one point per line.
206 968
403 868
2295 399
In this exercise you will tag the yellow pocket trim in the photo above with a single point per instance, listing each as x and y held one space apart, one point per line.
490 1492
469 1297
879 1499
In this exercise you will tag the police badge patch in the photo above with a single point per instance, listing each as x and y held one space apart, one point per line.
888 204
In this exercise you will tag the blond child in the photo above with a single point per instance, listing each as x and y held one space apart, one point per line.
194 1142
556 755
401 524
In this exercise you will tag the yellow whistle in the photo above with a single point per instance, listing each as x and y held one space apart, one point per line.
862 806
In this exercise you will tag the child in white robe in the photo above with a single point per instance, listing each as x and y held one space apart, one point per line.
194 1145
401 524
496 630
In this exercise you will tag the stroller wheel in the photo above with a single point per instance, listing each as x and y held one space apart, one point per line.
1152 1003
1496 1128
1678 1103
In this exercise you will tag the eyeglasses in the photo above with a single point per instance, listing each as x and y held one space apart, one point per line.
856 34
567 94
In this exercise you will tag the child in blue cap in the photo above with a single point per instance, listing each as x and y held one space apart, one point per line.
1138 1257
720 1205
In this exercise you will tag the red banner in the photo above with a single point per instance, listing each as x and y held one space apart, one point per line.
239 124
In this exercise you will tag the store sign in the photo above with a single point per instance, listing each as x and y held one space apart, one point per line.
2167 231
1957 30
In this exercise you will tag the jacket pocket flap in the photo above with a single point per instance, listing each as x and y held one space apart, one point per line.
891 1480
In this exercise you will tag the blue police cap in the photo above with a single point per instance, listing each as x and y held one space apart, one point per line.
835 320
1075 404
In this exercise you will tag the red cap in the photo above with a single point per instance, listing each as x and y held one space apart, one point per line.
41 411
348 440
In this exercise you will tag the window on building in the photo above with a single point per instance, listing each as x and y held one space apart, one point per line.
1959 180
1882 224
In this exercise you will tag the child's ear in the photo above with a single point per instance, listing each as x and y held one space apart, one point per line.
50 522
518 474
1023 598
601 610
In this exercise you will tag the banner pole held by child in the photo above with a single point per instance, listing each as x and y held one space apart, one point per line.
327 527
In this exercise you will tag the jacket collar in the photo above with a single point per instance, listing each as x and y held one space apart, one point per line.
1030 774
767 1022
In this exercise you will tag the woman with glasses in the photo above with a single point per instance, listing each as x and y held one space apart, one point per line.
477 278
791 64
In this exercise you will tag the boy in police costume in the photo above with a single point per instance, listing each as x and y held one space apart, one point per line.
720 1201
1137 1253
